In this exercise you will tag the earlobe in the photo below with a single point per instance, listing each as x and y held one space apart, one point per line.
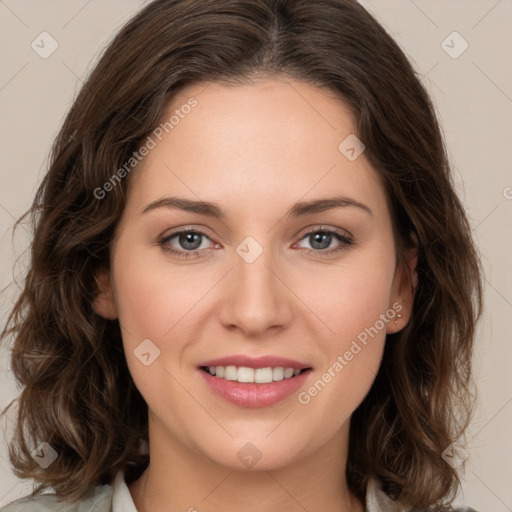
404 287
104 303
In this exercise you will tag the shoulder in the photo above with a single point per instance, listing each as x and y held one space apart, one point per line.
99 500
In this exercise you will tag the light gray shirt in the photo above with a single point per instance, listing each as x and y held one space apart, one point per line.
117 498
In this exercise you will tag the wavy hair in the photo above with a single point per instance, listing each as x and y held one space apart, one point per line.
76 391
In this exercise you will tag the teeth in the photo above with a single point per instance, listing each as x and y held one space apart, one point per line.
230 373
258 375
245 374
288 372
278 373
263 375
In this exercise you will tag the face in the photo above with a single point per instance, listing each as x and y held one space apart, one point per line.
258 280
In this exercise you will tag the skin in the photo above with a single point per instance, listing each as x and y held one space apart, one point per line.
255 150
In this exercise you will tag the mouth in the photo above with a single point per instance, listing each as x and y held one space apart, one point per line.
245 374
254 381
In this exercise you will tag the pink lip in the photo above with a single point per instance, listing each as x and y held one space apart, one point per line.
248 394
256 362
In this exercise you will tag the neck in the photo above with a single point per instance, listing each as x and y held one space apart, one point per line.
179 478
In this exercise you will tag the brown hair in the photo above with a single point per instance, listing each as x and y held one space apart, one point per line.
77 392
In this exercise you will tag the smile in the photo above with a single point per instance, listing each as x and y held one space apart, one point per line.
252 375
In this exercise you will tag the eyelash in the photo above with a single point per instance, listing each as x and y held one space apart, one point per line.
346 242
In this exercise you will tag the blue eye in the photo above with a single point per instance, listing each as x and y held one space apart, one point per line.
321 239
190 242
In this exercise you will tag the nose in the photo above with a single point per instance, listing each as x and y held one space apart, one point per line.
257 298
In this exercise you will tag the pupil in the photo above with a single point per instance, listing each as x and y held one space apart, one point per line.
318 236
187 240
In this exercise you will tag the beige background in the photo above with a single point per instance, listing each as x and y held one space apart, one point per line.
473 94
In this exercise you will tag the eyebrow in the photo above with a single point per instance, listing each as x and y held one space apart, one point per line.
299 209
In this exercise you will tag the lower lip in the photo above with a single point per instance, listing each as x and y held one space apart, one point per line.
255 395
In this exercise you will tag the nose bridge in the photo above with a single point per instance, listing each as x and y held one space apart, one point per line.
257 298
253 268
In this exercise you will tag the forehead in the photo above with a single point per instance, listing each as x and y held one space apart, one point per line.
273 141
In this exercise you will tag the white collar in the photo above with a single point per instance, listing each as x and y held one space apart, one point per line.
121 498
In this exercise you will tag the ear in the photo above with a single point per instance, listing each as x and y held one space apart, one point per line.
104 303
404 286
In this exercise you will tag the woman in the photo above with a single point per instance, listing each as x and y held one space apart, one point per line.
252 283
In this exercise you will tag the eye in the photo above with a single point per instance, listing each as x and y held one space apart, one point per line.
321 241
188 243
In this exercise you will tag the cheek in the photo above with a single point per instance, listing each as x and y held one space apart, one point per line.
150 306
150 298
143 307
351 296
356 316
158 303
353 306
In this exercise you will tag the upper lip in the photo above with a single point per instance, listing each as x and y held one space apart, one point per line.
256 362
